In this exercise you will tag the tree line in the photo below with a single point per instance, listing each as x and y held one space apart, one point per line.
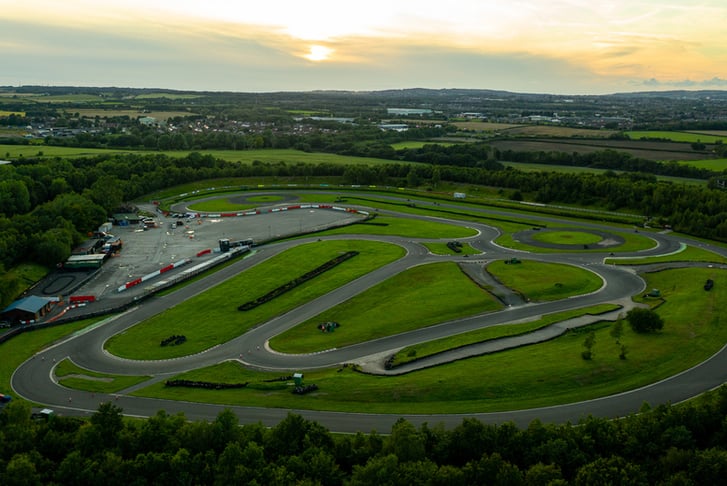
667 445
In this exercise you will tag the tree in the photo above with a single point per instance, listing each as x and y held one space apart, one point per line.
617 330
644 320
588 344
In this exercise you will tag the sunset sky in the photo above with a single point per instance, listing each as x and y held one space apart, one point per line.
539 46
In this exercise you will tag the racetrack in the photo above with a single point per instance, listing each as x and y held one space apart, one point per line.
34 379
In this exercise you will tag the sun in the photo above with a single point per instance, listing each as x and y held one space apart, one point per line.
318 53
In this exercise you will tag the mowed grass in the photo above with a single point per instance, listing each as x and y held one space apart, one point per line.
633 241
540 375
443 249
274 156
22 347
688 254
212 317
689 137
417 351
265 198
72 376
540 282
405 227
413 144
717 165
421 296
220 205
566 237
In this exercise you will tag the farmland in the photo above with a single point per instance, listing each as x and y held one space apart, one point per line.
688 137
651 150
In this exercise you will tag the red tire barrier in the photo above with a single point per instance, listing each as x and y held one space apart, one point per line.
204 252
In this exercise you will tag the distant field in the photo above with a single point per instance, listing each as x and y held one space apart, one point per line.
479 126
8 113
103 113
712 164
415 145
242 156
67 98
526 167
677 136
555 131
646 149
171 96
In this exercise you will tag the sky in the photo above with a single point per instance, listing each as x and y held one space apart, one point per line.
533 46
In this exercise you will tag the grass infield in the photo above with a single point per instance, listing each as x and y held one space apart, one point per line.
418 297
443 249
539 282
688 254
545 374
212 317
72 376
412 353
566 237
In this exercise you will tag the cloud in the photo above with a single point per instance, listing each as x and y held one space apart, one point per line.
714 82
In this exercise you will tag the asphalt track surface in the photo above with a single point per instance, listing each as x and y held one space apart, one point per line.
34 379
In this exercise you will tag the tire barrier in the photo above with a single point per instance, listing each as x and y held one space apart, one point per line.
151 275
277 210
174 340
205 384
455 246
204 252
303 389
298 281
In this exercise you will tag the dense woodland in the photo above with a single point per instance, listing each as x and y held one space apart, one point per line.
47 205
680 445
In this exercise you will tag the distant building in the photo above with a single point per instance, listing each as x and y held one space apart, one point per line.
408 111
396 127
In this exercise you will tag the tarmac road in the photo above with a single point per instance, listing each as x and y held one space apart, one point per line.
34 379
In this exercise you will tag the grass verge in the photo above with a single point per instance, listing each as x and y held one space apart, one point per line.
418 297
688 254
22 347
540 282
443 249
418 351
72 376
212 317
534 376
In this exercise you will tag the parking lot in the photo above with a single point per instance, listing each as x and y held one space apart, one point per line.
179 240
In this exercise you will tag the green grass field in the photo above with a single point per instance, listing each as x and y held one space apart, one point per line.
212 317
540 375
632 241
406 227
566 237
688 254
689 137
538 281
443 249
413 144
24 346
717 165
289 156
220 205
421 296
418 351
72 376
